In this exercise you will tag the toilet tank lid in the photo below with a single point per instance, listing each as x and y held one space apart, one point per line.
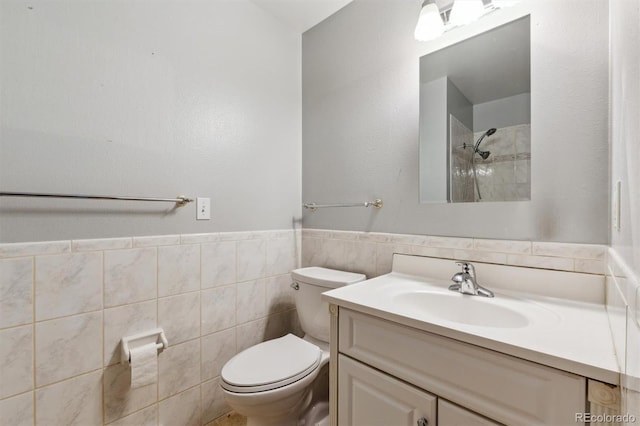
324 277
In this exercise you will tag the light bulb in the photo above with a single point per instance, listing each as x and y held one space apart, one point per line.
430 25
465 11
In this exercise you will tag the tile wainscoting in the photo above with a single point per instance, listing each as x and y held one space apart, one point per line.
371 253
64 306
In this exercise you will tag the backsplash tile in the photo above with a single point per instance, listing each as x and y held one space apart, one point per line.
67 284
503 246
480 256
16 299
589 266
374 237
580 251
91 293
448 242
354 251
543 262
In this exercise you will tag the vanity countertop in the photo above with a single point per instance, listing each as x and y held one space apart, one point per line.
569 335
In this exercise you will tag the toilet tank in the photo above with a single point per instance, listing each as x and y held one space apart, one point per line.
311 282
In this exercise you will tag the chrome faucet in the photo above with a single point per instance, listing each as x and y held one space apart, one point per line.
465 282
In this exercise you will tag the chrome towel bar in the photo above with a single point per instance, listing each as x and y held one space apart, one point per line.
377 203
180 200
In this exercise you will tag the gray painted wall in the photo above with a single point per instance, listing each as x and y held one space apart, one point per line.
434 127
360 125
459 106
503 112
200 98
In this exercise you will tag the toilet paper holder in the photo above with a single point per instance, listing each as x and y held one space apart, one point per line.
156 335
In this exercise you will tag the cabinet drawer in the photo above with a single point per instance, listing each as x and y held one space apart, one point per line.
501 387
368 397
452 415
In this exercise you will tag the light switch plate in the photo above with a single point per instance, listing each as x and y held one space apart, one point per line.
203 208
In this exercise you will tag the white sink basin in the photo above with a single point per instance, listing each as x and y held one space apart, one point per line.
460 308
522 320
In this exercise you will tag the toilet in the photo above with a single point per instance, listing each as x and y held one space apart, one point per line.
273 382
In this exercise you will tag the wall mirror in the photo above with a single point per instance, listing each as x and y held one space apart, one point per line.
475 118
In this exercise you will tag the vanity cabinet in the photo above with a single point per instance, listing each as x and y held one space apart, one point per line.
389 369
369 397
451 415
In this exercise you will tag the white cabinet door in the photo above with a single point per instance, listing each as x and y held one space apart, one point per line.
452 415
367 397
510 390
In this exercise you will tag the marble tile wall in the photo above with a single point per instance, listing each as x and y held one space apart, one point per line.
371 253
64 306
623 306
506 174
461 146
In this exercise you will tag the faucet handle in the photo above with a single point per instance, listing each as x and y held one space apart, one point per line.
464 266
467 268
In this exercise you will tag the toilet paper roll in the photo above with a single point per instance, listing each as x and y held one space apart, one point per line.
144 365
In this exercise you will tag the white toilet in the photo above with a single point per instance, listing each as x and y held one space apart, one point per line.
272 382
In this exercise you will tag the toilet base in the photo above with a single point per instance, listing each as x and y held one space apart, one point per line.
308 408
317 415
283 418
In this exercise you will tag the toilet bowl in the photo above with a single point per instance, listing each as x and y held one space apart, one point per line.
272 382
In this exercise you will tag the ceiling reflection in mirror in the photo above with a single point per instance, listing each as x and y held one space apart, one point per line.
475 118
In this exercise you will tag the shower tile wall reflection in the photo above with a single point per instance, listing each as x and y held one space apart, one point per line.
506 174
461 185
503 176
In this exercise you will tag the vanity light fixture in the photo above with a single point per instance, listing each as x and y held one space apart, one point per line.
466 11
430 23
433 22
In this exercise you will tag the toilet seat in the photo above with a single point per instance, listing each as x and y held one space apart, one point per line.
270 365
